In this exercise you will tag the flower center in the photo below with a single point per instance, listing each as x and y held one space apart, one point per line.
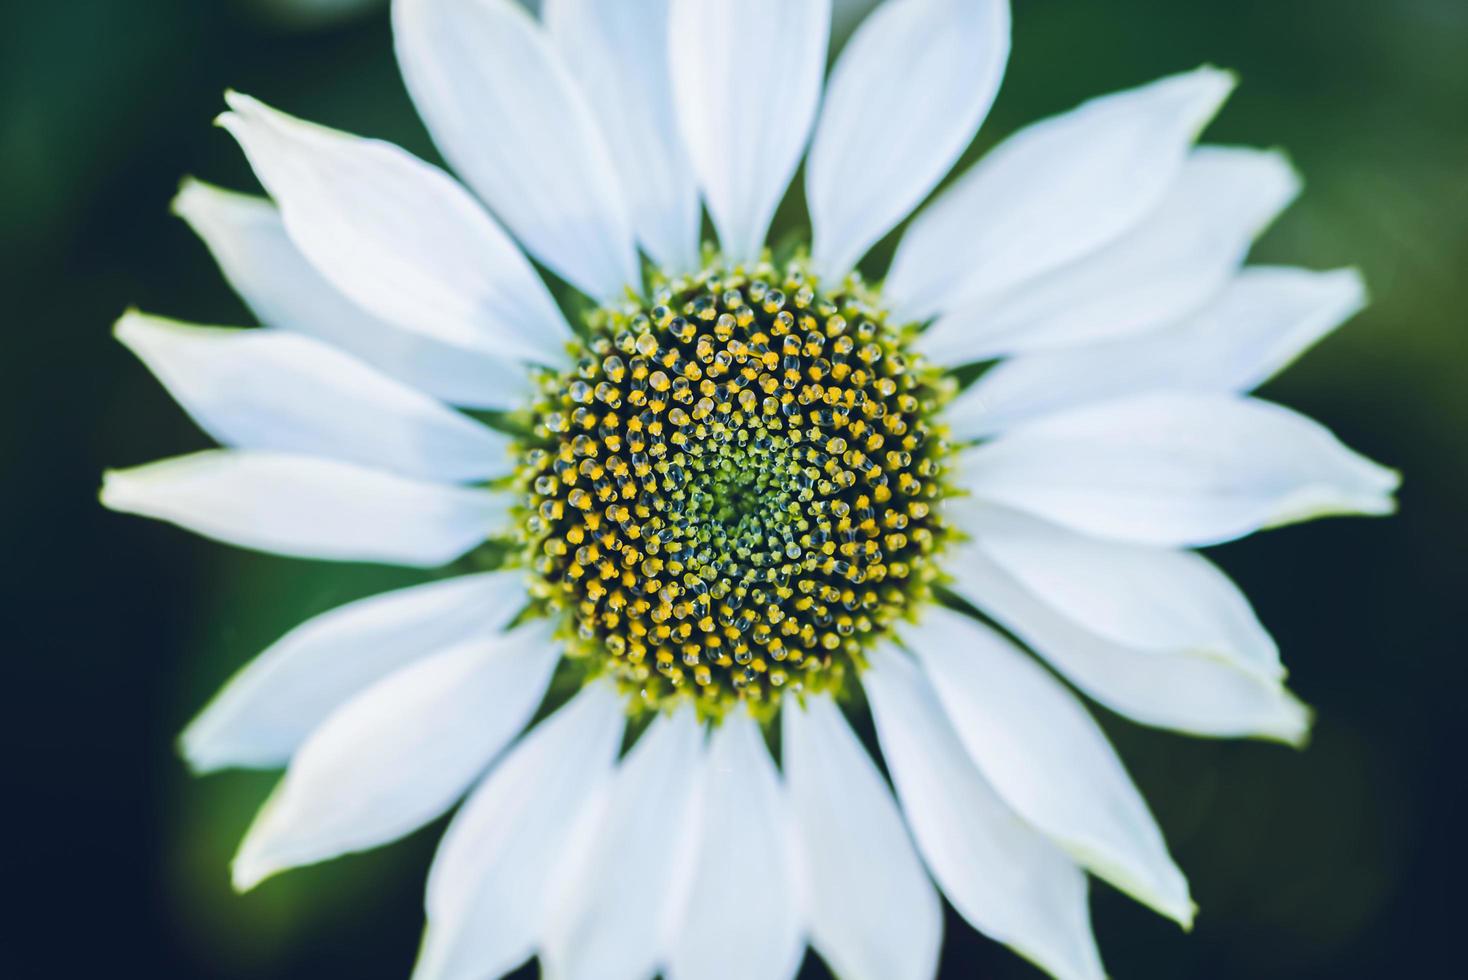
733 492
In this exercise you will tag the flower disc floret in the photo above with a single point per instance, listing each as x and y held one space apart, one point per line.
734 491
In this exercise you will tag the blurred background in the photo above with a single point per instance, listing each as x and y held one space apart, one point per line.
1341 861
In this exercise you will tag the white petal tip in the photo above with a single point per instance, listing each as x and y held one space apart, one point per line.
1391 483
1204 90
1218 82
1297 725
135 328
1383 502
1355 294
245 112
1376 498
205 749
186 199
1288 179
200 203
218 739
249 869
1294 177
193 747
240 102
1271 670
127 325
1359 486
1272 180
129 491
1188 915
1198 95
260 856
1162 886
118 490
1171 898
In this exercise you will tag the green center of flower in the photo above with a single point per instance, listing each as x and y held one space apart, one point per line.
733 492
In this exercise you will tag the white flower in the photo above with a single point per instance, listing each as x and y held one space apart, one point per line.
733 499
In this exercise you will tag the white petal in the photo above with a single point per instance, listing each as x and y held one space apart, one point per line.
398 237
400 753
1177 469
1139 596
1005 877
1052 193
1165 268
904 100
280 391
746 82
308 508
248 240
873 913
488 889
741 915
1186 690
269 708
619 54
606 921
1037 746
510 118
1261 322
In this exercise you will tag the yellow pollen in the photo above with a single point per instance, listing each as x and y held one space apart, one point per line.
738 475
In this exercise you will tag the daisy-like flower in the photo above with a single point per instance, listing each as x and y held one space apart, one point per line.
725 494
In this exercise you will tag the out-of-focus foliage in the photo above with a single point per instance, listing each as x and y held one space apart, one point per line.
845 14
1338 862
309 14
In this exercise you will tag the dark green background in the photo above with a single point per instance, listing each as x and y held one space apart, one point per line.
1342 861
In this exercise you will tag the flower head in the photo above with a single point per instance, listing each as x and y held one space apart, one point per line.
733 490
